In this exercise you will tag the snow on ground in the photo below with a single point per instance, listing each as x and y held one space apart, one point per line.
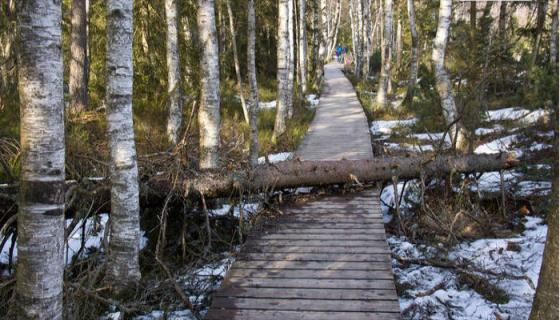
387 126
267 104
94 233
502 144
248 208
436 293
276 157
312 100
522 116
484 131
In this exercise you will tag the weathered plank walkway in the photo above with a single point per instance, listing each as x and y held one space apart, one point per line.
326 259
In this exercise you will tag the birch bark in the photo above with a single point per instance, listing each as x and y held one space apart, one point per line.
40 265
291 58
443 84
302 47
124 244
385 77
78 78
283 68
413 52
554 34
253 89
209 112
174 91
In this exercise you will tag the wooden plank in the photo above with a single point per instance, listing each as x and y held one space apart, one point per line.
247 314
306 293
300 219
324 231
295 225
377 257
314 243
311 283
306 304
315 249
314 265
309 274
345 237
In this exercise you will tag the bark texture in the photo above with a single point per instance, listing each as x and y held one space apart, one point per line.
554 34
302 47
40 222
78 75
291 58
209 112
296 173
174 90
236 62
413 51
124 244
545 304
443 84
283 69
386 52
253 89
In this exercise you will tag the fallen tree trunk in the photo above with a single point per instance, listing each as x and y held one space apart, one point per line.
297 173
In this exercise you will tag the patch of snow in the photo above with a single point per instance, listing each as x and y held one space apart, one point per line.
312 100
226 208
267 104
484 131
503 144
522 116
276 157
409 147
540 147
435 293
387 126
94 233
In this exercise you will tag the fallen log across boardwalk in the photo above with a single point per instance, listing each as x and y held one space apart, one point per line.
295 173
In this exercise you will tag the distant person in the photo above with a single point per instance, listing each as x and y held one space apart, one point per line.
338 53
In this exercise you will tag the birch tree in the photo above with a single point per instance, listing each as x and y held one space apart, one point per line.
291 58
302 47
40 220
443 84
174 91
124 244
283 69
323 38
367 37
554 34
209 112
236 62
386 49
413 52
78 74
253 89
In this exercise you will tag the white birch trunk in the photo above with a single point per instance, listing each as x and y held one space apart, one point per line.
413 51
209 112
236 62
385 77
443 84
302 47
333 34
554 34
124 244
40 265
323 30
291 58
253 89
174 90
399 44
367 37
77 79
283 69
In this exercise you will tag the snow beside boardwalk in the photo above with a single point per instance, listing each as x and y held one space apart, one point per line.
276 157
387 126
454 301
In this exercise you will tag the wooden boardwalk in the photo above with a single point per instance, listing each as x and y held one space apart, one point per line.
325 259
